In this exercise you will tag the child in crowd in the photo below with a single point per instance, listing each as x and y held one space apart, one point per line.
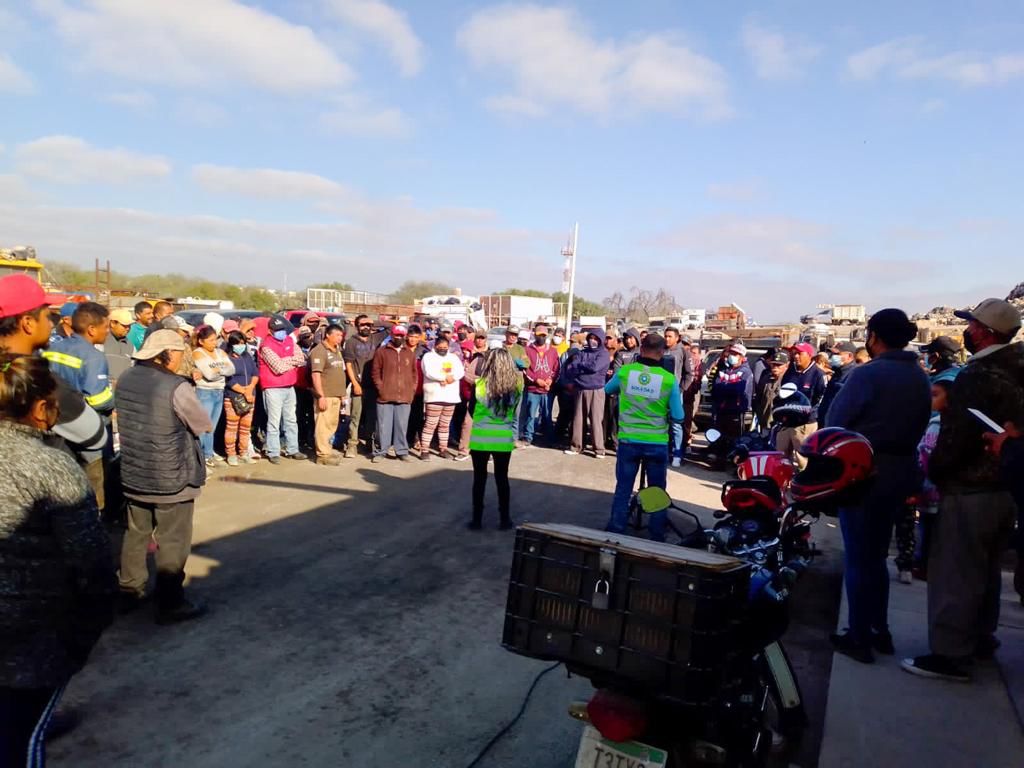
927 501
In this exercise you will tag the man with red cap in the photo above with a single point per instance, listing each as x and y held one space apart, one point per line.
810 381
394 374
25 328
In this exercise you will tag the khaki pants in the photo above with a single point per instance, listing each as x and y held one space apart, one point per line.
171 526
790 439
589 404
326 425
964 579
353 422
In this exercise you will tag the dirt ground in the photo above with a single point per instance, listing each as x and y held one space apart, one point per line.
355 622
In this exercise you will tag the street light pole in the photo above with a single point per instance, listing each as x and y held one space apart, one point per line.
572 278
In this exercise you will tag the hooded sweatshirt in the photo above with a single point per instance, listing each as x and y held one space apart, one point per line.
588 368
626 356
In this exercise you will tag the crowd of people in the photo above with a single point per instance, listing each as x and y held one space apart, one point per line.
119 416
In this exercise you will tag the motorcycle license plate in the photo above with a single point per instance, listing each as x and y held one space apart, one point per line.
597 752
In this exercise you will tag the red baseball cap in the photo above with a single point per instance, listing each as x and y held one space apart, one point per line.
804 347
20 294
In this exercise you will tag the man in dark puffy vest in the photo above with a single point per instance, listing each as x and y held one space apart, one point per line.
162 469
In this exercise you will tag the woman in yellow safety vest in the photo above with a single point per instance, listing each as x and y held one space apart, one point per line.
498 388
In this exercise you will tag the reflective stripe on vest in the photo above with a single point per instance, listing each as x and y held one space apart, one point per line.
61 359
644 392
100 398
491 432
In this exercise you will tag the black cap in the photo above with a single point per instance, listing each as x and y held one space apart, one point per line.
941 344
845 346
781 357
277 323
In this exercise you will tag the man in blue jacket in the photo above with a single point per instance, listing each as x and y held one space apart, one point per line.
732 390
585 374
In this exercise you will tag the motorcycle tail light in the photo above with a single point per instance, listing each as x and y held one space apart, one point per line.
617 717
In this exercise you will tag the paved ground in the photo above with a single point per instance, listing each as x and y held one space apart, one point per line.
354 622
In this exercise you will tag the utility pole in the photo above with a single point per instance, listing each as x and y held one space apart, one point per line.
569 276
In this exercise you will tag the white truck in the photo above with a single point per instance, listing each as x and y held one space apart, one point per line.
505 310
837 314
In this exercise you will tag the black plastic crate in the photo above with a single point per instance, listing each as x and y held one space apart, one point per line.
669 623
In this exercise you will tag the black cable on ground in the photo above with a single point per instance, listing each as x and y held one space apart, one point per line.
522 710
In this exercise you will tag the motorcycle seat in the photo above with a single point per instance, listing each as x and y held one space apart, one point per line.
755 492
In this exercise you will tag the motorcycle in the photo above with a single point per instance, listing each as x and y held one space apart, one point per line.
758 711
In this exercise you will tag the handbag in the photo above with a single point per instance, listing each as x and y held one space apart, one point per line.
240 405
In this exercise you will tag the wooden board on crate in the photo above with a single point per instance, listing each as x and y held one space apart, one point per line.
655 550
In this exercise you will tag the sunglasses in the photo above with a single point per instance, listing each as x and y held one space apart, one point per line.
366 325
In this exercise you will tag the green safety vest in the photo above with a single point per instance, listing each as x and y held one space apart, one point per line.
492 432
644 393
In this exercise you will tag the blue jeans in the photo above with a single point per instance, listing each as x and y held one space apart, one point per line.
392 426
867 531
676 430
212 401
280 403
538 406
627 463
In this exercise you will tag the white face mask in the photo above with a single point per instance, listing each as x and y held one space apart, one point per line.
557 339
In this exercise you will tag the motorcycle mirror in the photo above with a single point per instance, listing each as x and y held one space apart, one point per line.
713 435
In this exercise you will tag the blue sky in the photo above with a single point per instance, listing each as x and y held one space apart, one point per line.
776 154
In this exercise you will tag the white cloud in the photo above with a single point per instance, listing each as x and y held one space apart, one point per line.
197 43
265 183
907 58
13 79
553 61
200 112
355 116
71 160
134 99
773 56
388 26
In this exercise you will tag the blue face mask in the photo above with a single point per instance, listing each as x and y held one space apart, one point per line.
733 360
239 349
835 361
280 335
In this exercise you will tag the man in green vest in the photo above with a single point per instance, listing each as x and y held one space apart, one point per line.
648 398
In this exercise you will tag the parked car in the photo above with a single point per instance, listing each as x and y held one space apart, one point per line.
294 316
195 316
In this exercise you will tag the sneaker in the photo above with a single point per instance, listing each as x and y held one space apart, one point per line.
350 452
185 611
298 456
425 456
846 645
936 667
599 455
218 459
233 461
882 643
329 461
906 577
571 452
404 457
274 459
375 459
524 444
677 462
210 464
462 457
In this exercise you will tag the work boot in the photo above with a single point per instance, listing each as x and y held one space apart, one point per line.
845 644
183 611
350 452
298 456
329 461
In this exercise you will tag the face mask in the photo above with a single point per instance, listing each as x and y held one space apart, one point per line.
442 351
239 349
462 335
593 343
397 340
280 335
835 361
540 341
733 360
557 339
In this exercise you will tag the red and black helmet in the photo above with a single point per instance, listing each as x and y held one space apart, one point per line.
837 460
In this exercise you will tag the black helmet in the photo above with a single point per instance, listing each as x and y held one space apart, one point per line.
791 408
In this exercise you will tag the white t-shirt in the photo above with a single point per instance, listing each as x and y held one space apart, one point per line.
436 369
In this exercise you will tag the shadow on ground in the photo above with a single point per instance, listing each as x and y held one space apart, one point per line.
362 632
